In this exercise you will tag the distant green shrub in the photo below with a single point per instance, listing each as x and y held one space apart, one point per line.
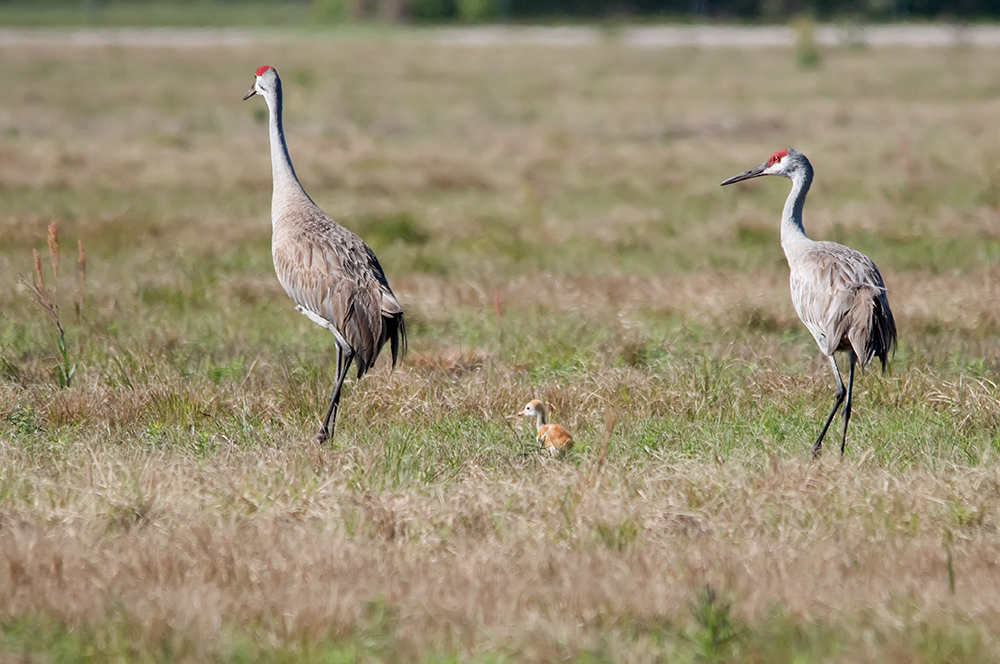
475 10
423 10
329 11
807 53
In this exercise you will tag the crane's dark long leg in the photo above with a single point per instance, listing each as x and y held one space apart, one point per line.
847 406
340 361
344 358
817 447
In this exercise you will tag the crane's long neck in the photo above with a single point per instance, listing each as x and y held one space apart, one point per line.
286 184
540 418
792 232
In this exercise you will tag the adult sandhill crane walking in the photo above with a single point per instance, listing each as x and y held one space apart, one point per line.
552 436
837 292
331 274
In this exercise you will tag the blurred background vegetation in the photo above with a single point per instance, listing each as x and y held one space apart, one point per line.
294 12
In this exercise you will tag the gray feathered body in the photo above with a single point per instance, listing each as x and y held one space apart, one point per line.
332 274
839 295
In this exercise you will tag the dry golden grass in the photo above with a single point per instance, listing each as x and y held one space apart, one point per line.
535 562
551 219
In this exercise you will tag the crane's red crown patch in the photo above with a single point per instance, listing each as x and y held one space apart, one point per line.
777 156
263 68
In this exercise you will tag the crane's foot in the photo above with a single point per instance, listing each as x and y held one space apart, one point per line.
817 449
323 436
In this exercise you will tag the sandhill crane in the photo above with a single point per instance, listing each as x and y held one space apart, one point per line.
836 291
331 274
552 436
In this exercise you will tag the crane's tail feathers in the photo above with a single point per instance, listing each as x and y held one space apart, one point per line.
885 329
872 330
364 329
366 350
395 330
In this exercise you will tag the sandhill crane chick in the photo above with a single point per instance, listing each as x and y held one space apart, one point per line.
331 274
553 437
837 292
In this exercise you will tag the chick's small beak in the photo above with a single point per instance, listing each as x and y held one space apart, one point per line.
755 172
251 93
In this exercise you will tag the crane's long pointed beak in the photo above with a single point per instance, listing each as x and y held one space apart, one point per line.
253 91
755 172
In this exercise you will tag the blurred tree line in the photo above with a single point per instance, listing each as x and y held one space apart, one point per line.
752 10
482 10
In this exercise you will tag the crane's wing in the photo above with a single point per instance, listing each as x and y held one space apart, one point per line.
839 295
338 282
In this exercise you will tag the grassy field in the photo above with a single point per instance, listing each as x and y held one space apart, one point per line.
551 220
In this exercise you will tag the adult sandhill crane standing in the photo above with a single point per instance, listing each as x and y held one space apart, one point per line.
552 436
331 274
837 292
